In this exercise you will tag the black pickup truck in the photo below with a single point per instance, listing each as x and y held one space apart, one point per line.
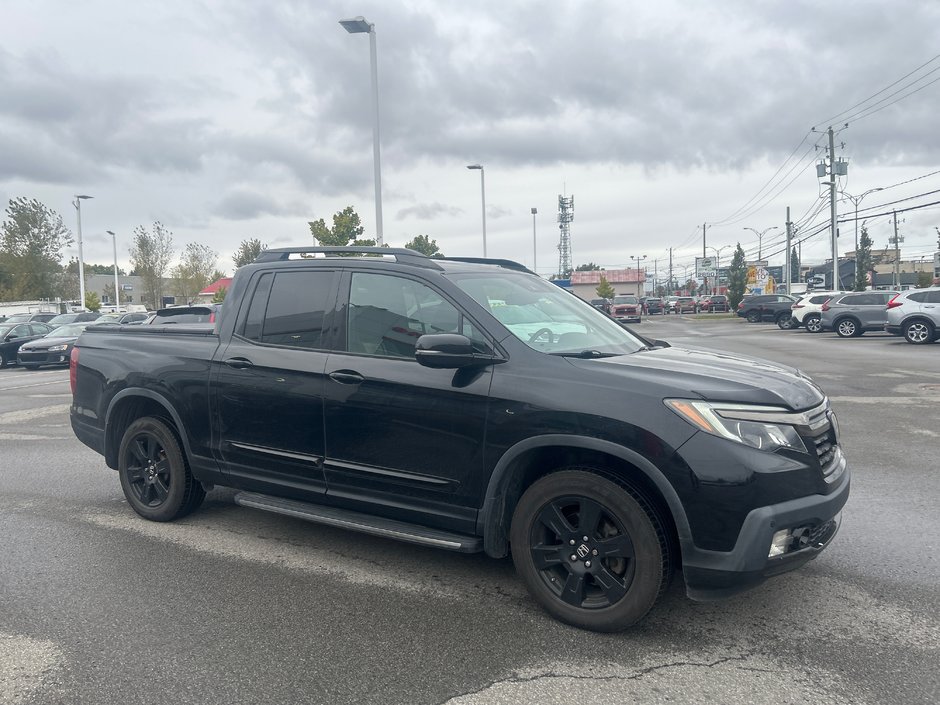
473 406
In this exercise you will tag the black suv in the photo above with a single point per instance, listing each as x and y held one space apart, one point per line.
474 406
767 307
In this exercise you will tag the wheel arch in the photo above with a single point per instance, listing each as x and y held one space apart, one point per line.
533 458
921 318
836 322
129 405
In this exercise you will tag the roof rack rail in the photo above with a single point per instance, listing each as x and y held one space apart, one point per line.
401 254
505 263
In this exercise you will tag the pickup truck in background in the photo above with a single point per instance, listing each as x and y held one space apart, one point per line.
471 405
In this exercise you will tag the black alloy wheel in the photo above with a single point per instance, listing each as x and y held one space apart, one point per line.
592 551
753 316
813 323
155 476
785 321
918 332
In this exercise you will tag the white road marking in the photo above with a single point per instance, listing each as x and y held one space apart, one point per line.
12 417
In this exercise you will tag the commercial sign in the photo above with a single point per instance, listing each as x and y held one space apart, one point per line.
704 267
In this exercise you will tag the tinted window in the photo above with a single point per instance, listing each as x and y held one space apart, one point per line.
920 297
21 331
933 297
857 300
297 307
820 299
387 314
259 303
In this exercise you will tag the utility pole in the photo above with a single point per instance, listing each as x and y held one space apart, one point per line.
786 274
703 240
655 276
897 240
836 285
670 269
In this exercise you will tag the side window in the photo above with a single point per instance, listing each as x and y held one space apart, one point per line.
289 308
933 297
819 299
21 331
921 297
856 300
387 314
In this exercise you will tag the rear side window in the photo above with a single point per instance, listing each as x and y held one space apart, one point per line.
290 308
920 297
819 299
860 300
933 297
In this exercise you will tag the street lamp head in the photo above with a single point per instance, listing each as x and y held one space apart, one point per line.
475 166
357 25
110 232
534 211
84 198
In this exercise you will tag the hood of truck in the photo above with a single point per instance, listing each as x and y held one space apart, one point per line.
712 375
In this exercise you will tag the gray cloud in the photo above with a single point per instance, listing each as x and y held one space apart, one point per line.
428 211
242 204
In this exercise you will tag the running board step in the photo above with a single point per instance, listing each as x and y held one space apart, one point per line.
366 523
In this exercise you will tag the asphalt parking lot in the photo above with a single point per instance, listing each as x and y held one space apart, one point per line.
236 606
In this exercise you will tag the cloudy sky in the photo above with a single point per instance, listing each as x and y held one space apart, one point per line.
234 119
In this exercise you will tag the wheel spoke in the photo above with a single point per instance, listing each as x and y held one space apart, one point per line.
573 592
139 450
612 586
552 517
144 493
161 489
545 557
620 546
135 475
589 516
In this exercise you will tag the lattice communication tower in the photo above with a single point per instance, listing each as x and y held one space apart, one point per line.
565 216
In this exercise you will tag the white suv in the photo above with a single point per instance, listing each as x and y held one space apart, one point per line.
915 314
807 311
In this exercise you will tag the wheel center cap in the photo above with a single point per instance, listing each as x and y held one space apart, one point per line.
583 551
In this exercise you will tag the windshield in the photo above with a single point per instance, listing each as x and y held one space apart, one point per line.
69 330
546 317
625 300
5 329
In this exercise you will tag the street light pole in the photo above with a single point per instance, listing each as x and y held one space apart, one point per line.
760 238
117 296
856 200
359 25
534 267
81 258
717 251
482 199
639 285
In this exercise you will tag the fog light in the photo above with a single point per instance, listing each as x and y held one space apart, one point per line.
780 543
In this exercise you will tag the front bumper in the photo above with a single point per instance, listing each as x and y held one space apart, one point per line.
635 318
711 575
42 357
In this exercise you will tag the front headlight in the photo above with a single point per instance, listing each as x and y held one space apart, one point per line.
58 348
741 423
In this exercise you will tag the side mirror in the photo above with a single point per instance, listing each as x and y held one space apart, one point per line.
450 351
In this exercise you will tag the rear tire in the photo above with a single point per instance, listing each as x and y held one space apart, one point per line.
785 322
847 328
155 476
4 361
813 323
593 552
753 316
919 332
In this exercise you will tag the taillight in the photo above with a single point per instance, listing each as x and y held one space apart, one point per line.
796 306
825 306
212 317
894 303
73 368
740 304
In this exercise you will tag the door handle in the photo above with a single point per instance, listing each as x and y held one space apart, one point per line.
239 363
347 377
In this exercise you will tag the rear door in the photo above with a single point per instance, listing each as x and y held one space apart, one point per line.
403 439
268 392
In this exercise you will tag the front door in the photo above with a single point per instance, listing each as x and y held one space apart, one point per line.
402 437
268 389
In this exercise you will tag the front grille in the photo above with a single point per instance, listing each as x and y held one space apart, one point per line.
823 435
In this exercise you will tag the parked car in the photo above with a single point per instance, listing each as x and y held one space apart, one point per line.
850 315
627 309
13 335
64 318
684 304
123 318
716 303
201 313
601 305
387 395
655 305
669 304
766 307
915 314
54 348
44 317
807 311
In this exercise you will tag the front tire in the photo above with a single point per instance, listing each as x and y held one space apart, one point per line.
4 360
593 552
919 332
785 322
813 324
155 476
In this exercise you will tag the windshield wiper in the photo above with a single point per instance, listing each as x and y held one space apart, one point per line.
586 354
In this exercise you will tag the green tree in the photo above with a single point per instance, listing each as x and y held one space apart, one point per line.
92 302
219 295
248 252
151 254
794 265
589 267
346 230
924 279
737 278
31 242
604 289
691 286
195 269
425 245
863 262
